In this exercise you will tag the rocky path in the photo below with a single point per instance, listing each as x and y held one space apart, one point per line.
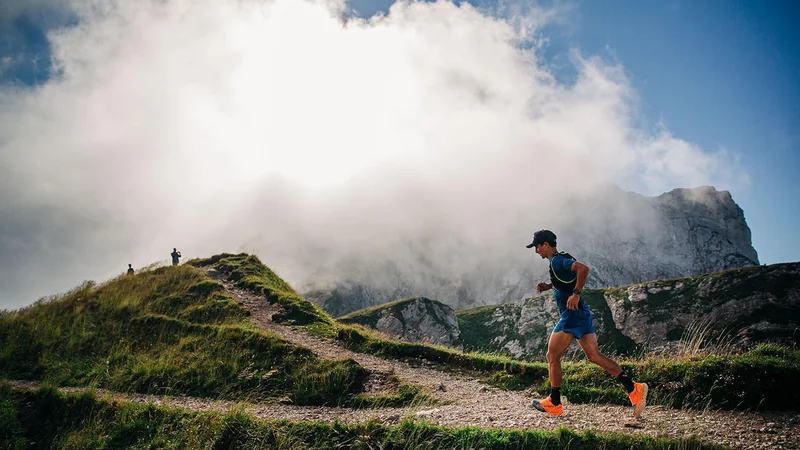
463 401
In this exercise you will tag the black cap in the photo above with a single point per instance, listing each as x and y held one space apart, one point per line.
542 236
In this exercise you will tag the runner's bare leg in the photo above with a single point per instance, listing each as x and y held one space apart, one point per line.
558 345
588 343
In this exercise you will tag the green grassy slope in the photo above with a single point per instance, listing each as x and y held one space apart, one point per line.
474 334
171 330
754 380
248 272
48 420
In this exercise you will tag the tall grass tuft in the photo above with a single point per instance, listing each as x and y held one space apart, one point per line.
701 338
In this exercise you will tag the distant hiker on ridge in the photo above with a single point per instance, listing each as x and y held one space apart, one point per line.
175 256
130 270
568 276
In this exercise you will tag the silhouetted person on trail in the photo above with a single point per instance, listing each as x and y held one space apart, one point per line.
130 270
175 256
567 277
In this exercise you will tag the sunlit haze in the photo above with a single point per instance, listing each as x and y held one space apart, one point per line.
303 133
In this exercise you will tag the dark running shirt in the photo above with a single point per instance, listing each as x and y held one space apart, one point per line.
563 279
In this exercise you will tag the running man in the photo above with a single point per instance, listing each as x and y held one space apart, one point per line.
567 278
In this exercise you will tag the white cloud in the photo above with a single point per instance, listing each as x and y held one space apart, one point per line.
663 160
284 128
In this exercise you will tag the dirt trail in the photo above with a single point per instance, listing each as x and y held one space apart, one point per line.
463 401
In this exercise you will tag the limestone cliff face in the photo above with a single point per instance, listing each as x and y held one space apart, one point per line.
624 238
732 308
681 233
416 319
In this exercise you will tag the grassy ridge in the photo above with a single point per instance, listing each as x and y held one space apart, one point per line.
753 380
174 331
47 419
373 313
248 272
166 331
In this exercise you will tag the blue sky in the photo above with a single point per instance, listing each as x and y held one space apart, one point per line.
719 74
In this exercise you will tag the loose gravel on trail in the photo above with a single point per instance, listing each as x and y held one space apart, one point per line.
463 401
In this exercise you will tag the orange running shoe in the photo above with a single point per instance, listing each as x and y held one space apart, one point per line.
548 407
638 398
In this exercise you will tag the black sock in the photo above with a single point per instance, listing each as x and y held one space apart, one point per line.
555 395
626 381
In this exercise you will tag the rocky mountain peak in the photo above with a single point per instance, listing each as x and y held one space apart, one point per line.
624 238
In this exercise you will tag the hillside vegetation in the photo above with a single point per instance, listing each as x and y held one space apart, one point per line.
47 419
172 331
752 380
175 330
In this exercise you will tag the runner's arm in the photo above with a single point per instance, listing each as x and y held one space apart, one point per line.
582 271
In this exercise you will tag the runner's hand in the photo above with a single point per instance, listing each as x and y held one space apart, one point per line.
541 287
572 302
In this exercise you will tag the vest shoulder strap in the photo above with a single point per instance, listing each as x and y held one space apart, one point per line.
553 272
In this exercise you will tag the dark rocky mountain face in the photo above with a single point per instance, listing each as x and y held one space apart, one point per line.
624 238
416 319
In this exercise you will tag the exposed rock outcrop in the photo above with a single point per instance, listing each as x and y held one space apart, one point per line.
740 306
417 319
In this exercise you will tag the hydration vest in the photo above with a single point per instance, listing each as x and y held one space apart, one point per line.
558 283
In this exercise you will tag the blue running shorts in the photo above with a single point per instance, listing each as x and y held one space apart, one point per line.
576 322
